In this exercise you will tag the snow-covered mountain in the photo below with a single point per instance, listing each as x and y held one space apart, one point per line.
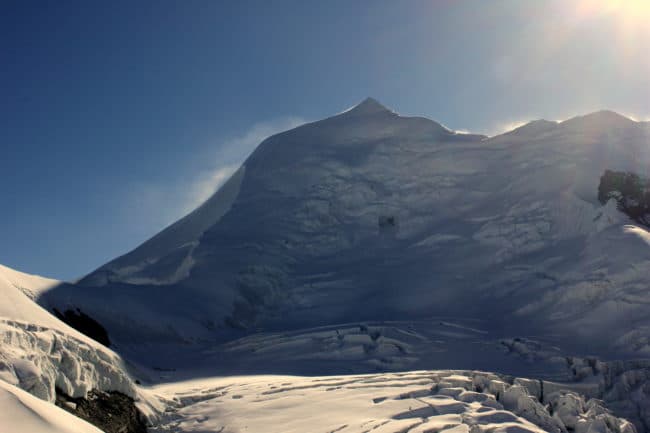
369 215
365 242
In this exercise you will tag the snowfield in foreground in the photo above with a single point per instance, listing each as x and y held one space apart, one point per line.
45 357
22 412
414 402
40 353
42 359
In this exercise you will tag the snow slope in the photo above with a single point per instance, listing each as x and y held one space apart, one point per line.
38 351
41 353
390 350
22 412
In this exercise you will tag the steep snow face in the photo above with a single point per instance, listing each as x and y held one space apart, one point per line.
30 285
22 412
157 260
369 215
40 353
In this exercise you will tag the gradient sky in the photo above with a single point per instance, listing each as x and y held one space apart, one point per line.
117 117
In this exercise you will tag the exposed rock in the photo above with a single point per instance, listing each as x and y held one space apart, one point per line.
84 324
631 191
112 412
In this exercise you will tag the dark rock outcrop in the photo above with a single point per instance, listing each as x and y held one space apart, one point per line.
85 324
631 192
112 412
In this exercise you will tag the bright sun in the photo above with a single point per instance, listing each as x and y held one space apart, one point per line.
628 10
632 9
629 21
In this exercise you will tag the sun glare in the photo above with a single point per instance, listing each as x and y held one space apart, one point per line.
636 12
626 21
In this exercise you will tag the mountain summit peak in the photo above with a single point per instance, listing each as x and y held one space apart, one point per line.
603 119
369 106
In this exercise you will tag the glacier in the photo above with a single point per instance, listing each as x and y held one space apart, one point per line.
370 271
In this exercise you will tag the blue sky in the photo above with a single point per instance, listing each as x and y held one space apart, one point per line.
116 118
